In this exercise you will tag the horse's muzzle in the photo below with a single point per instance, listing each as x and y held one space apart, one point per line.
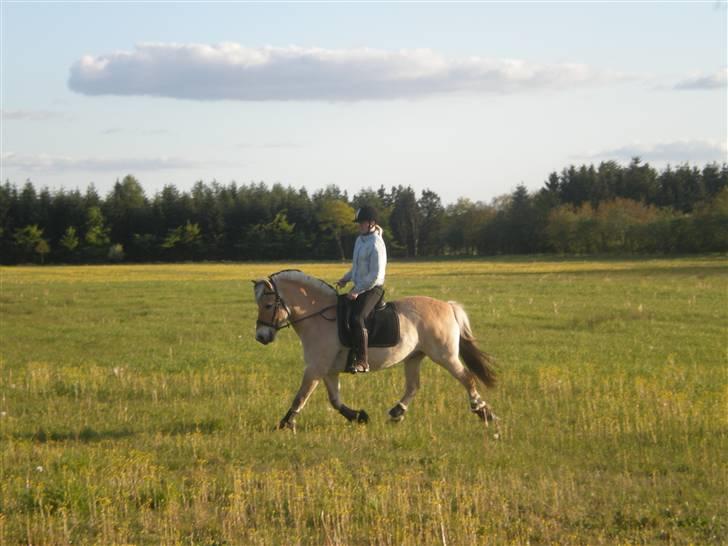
264 336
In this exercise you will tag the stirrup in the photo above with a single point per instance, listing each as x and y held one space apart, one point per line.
359 366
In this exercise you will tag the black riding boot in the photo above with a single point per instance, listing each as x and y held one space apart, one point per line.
359 346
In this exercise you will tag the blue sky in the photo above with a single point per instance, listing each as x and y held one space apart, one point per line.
466 99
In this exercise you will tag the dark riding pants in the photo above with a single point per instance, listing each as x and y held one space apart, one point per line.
361 308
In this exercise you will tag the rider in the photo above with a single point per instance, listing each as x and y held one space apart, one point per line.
367 274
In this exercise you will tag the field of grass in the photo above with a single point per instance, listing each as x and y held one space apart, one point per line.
137 408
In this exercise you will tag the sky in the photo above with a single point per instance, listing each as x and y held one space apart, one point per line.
464 99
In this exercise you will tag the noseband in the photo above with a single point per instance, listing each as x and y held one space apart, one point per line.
278 324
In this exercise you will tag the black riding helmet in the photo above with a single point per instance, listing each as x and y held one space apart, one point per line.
366 214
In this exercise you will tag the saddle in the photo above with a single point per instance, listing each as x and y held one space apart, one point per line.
382 324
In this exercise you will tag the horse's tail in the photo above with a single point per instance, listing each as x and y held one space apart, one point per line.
477 361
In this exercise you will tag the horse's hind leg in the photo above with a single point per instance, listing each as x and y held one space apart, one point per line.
411 386
468 380
332 387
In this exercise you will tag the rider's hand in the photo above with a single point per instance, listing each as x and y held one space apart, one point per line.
352 295
341 283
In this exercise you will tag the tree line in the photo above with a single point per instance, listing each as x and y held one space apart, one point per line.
584 209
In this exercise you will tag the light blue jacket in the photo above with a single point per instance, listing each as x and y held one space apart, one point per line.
369 263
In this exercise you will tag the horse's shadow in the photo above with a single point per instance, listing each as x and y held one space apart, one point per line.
85 435
88 435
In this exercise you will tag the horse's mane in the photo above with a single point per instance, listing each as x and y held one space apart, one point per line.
299 276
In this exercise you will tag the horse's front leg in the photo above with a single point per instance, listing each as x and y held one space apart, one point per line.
308 384
332 387
412 385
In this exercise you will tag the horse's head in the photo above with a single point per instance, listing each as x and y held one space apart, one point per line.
273 313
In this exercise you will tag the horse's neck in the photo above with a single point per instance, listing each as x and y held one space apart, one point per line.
304 297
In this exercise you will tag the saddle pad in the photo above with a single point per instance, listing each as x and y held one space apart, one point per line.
382 325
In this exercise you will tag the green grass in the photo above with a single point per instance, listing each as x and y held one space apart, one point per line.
136 407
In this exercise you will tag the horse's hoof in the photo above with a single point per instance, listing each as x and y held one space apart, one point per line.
396 414
486 415
286 425
362 417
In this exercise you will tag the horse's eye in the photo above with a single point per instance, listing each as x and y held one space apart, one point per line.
269 306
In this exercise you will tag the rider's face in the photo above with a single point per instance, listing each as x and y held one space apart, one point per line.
365 227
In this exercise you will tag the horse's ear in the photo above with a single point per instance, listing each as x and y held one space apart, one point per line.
259 285
256 289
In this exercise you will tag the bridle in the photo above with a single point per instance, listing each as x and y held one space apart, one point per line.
278 324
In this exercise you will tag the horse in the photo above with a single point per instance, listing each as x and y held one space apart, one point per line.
428 327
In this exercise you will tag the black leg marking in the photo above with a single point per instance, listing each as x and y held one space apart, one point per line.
397 412
362 417
288 421
353 415
347 412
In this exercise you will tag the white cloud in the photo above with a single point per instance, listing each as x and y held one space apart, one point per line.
49 163
145 132
282 145
673 152
717 80
231 71
30 115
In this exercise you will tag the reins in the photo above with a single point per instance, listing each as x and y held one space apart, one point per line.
288 321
